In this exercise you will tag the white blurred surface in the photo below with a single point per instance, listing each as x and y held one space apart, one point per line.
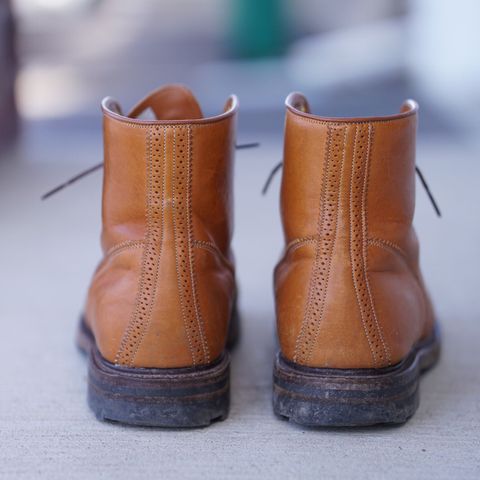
443 56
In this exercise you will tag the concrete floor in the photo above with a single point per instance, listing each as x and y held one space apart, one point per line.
47 253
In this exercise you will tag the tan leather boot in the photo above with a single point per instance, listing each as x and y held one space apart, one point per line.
158 309
355 323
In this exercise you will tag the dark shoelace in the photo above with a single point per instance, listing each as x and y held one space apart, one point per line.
427 189
90 170
424 183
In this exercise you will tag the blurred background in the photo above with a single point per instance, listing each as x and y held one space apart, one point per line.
59 58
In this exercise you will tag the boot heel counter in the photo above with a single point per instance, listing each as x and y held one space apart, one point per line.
374 310
151 309
345 183
166 327
331 323
339 326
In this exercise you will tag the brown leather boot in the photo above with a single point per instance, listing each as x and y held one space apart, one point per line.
355 323
159 306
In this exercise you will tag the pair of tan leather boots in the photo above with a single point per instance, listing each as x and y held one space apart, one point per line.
355 324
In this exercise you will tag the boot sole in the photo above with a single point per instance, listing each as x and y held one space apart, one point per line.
157 397
328 397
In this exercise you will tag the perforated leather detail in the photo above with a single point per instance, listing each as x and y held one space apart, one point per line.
324 243
145 300
359 241
184 251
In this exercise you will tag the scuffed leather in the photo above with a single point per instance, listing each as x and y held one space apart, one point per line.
164 291
349 292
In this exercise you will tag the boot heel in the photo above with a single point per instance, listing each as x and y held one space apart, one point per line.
175 397
328 397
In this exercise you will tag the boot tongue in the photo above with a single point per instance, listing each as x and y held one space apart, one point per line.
172 102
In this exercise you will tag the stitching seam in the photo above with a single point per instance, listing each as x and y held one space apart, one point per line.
300 242
177 260
302 333
344 124
193 275
365 241
173 125
153 293
121 352
352 259
387 244
325 242
212 248
332 246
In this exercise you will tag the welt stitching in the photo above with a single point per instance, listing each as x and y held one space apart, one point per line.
177 259
126 245
159 247
121 352
193 275
332 246
301 335
365 239
352 254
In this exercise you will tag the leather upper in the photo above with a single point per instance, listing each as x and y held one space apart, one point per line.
164 291
349 292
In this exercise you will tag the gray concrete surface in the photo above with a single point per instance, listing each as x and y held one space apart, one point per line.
47 253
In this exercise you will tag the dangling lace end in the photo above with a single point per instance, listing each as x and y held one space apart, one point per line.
274 171
427 189
242 146
100 165
72 180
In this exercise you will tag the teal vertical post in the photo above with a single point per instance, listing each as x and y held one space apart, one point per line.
258 28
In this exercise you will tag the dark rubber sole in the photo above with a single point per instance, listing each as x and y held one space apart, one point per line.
327 397
156 397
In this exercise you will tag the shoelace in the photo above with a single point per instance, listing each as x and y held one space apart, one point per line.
424 183
90 170
427 189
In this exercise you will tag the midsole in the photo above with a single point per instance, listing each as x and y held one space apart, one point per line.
157 383
349 383
154 383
